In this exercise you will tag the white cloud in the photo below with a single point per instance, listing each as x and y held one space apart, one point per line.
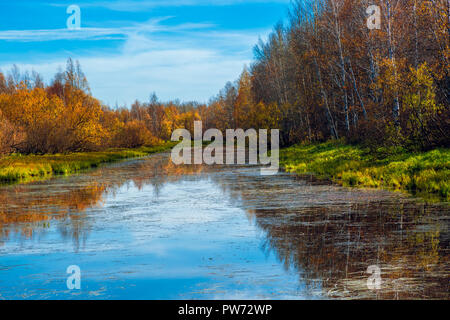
186 61
61 34
151 26
134 5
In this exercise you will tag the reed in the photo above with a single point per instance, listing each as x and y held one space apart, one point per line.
424 174
18 168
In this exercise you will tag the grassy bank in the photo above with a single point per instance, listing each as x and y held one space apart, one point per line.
21 168
424 174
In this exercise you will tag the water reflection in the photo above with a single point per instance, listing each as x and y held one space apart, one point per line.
330 235
25 209
327 235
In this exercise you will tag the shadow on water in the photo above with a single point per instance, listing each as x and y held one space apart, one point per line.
327 235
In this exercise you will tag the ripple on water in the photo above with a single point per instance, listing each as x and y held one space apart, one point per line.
147 229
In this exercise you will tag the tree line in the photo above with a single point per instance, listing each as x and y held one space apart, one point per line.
64 117
321 75
325 75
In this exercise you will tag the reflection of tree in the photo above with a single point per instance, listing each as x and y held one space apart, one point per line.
326 234
22 210
27 208
332 242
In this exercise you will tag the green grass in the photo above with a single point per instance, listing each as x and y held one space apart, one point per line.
424 174
18 168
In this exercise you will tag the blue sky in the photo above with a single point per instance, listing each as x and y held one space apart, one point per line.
181 49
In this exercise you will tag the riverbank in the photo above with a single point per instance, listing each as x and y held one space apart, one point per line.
424 174
18 168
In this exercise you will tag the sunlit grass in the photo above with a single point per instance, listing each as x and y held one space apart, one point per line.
19 168
426 174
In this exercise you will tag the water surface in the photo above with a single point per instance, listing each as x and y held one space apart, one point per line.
147 229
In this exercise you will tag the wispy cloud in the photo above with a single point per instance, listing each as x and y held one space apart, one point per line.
150 26
193 65
134 5
190 61
61 34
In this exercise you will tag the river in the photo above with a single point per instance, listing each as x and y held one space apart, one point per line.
147 229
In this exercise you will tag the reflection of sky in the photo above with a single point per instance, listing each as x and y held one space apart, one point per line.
187 242
183 49
162 231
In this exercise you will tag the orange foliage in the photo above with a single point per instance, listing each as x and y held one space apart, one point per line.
64 117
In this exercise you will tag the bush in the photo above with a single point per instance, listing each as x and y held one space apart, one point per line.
134 134
11 137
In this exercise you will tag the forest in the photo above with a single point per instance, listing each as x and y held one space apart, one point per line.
321 75
326 75
64 117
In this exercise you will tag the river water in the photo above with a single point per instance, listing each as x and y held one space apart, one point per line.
147 229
